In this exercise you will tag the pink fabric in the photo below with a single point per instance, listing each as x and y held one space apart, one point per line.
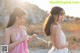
22 47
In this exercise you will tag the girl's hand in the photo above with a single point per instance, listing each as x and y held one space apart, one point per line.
66 44
34 36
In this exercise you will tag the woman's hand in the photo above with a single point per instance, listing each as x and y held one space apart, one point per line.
34 36
67 44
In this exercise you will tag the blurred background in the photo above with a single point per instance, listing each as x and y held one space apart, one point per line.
38 11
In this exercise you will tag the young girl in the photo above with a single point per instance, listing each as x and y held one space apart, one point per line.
15 34
53 29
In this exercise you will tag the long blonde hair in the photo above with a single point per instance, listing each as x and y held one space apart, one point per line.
17 12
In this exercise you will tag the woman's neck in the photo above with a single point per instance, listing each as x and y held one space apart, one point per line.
16 25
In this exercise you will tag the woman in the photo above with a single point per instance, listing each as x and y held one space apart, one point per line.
15 34
53 29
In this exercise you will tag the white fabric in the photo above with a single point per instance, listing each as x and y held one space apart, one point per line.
63 41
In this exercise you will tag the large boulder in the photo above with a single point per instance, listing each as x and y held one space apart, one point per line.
35 14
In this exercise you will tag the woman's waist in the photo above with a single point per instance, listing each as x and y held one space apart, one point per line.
55 48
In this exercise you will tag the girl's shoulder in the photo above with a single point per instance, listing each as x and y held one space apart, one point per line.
55 28
7 31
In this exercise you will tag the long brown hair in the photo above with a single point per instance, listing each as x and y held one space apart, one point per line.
17 12
51 19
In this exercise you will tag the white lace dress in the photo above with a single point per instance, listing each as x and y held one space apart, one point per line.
63 41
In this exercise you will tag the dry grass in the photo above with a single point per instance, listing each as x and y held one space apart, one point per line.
73 34
73 27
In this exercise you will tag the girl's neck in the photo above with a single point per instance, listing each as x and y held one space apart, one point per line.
16 26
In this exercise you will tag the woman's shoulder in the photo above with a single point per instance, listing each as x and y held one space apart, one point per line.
54 26
7 31
55 29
